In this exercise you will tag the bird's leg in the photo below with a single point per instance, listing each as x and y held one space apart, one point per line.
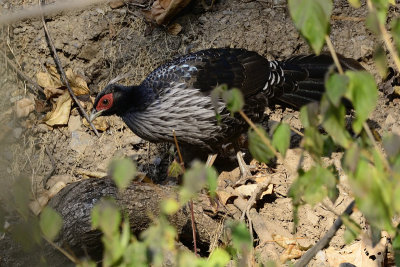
244 169
210 159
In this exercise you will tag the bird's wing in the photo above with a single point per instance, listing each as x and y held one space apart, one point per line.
204 70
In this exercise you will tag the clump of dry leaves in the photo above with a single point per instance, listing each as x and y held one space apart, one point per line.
60 98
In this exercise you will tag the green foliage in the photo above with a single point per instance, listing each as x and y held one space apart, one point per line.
175 169
195 179
396 33
233 98
281 138
352 231
123 172
50 223
258 149
311 18
363 93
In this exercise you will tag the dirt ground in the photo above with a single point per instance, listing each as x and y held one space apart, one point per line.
101 43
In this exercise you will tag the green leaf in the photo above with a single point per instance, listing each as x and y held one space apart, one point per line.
212 181
169 206
258 149
27 233
234 100
281 138
21 192
334 122
381 61
50 223
363 93
241 237
396 33
175 169
313 141
195 179
123 172
218 258
106 216
391 143
309 115
314 185
336 87
312 17
355 3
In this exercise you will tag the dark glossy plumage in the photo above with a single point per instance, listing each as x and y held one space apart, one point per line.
176 96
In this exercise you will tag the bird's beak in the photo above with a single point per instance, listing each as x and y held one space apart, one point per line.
95 114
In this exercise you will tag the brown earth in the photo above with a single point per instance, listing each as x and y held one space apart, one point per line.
101 43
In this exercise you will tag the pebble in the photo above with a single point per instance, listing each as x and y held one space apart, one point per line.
389 120
17 132
74 124
80 140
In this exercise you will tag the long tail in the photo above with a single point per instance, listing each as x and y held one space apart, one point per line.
305 77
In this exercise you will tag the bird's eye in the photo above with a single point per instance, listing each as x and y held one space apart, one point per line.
105 102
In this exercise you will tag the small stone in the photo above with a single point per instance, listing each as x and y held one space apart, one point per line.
389 120
80 140
17 132
116 4
133 140
42 128
396 129
74 124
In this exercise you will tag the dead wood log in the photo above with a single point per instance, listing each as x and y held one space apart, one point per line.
139 201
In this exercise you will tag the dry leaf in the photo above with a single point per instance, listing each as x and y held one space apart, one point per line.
116 4
293 250
360 253
51 92
100 123
24 106
224 196
49 79
38 204
163 11
41 106
248 189
61 110
77 83
174 29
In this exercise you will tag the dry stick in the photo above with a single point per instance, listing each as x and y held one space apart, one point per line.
37 11
191 201
324 241
64 252
53 167
386 38
64 77
32 85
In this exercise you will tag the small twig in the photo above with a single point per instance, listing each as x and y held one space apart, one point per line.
177 148
345 18
54 8
31 84
191 201
333 53
64 252
53 167
64 77
259 189
386 38
263 138
296 131
371 137
324 241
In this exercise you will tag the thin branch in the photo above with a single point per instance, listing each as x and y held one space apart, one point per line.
324 241
64 77
65 253
191 200
35 88
333 53
177 148
37 11
386 38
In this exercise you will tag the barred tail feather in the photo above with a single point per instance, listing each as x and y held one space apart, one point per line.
305 78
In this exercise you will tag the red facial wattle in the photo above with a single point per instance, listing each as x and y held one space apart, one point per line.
105 102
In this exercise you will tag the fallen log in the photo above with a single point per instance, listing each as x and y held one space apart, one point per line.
140 202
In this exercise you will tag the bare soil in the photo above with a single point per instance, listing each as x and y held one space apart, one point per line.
101 43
